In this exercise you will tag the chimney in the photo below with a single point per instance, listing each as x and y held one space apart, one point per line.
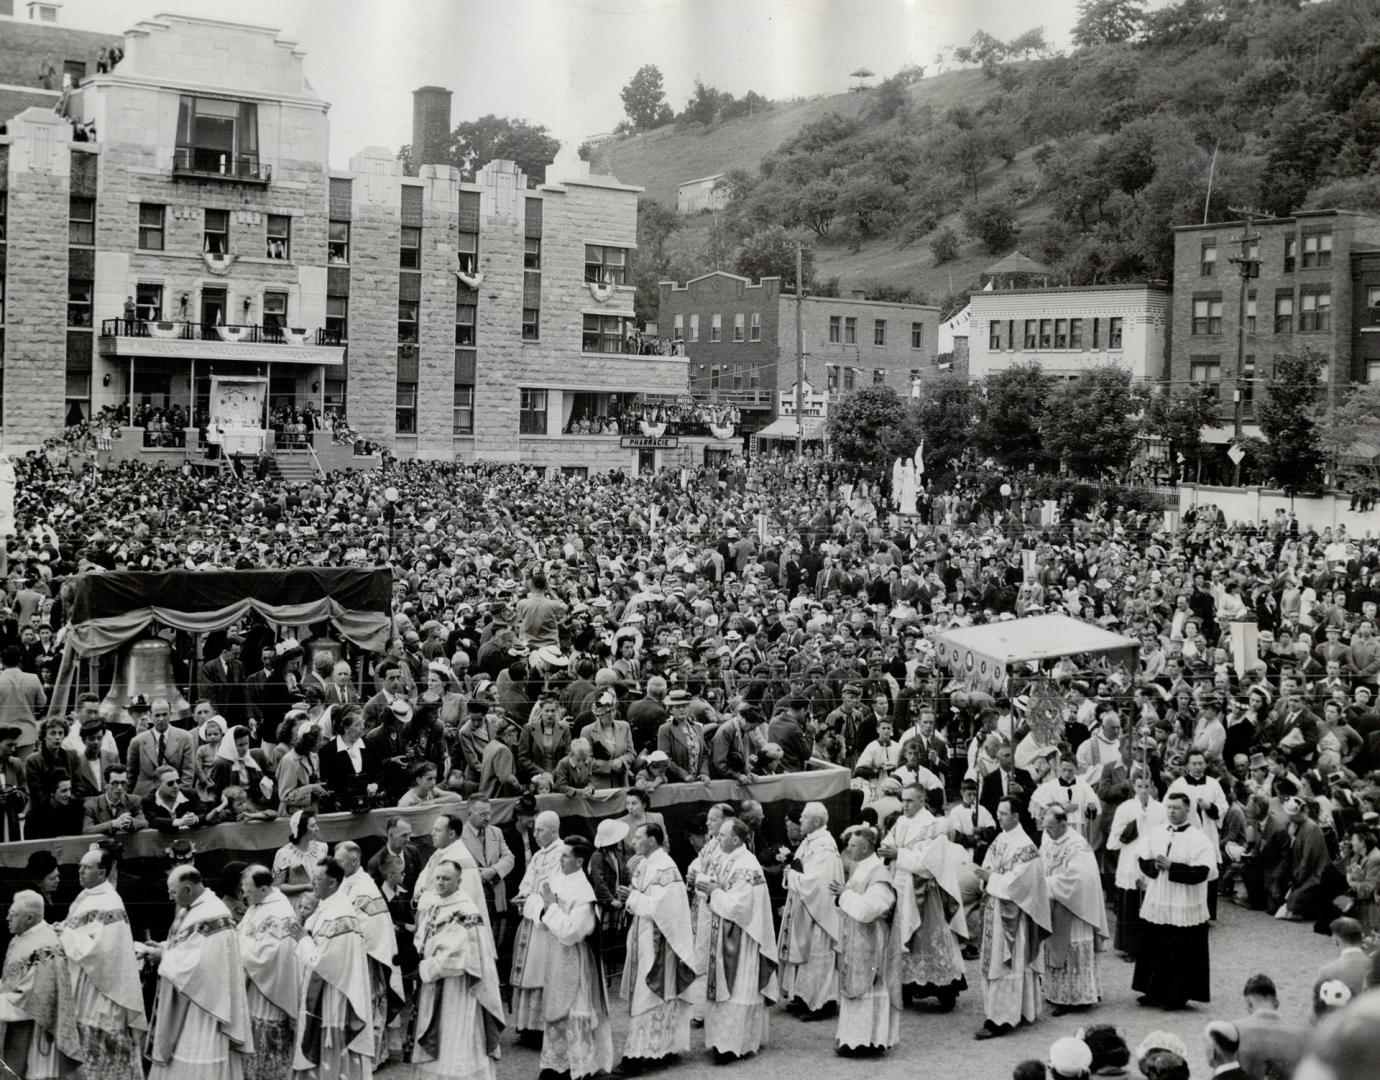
430 126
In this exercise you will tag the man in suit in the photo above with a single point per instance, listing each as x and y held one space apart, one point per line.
1223 1042
1352 964
377 707
1269 1046
682 741
115 810
495 859
399 843
221 681
731 757
787 730
158 745
22 697
341 691
1005 782
828 579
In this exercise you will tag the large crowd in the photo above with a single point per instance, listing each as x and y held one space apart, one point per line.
572 636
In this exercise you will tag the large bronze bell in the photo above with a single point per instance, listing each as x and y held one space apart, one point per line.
145 667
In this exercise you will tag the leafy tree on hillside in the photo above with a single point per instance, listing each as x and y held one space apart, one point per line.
475 143
1302 137
944 246
1107 22
867 205
770 252
703 106
656 224
968 152
644 99
1355 418
1089 423
872 427
1293 452
749 104
1011 406
1179 419
1032 41
991 220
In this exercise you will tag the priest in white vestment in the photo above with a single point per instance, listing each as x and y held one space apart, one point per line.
533 938
268 936
810 920
741 980
459 1012
38 1023
1065 788
1015 922
109 1001
660 973
1133 819
869 968
200 1019
381 941
1078 916
1207 807
449 846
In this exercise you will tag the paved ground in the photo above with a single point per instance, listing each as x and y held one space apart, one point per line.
1243 942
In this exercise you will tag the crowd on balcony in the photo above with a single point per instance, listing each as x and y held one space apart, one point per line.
657 418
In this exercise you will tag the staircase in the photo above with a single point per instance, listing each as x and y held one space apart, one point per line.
294 466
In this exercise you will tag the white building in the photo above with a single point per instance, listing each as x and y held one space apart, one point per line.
703 194
1068 330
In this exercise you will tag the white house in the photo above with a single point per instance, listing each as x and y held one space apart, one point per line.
703 194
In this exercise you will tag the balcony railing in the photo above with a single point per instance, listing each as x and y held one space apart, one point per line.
742 398
201 163
250 333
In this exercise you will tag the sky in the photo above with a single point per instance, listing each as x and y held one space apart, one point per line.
561 63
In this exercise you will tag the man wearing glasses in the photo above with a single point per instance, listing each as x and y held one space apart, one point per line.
115 810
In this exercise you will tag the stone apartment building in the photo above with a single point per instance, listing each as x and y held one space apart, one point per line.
181 220
739 337
1318 288
1067 330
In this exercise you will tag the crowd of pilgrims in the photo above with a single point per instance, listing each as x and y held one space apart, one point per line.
568 636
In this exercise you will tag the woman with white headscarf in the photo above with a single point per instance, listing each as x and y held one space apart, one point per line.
235 765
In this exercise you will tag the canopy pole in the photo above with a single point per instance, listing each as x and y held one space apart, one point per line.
131 391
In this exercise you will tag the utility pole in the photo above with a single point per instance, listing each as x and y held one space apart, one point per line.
799 357
1250 270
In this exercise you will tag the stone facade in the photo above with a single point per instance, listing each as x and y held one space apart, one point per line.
1204 348
1001 323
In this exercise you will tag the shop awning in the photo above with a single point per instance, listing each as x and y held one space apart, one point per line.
784 427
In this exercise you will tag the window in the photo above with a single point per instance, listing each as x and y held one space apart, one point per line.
607 265
1061 333
1097 330
878 331
531 254
831 378
151 226
275 315
1207 316
738 327
218 136
407 322
79 302
2 303
694 328
1208 261
1284 314
465 316
148 301
737 379
1291 247
1250 312
4 208
1075 333
410 248
605 333
849 378
73 71
1317 251
994 335
279 245
81 221
713 376
333 394
215 233
1248 385
1372 371
405 408
467 252
879 376
1046 333
337 319
1315 311
850 330
1206 371
716 327
1373 296
1114 333
917 335
338 243
835 329
531 324
531 412
755 327
1032 334
678 328
462 411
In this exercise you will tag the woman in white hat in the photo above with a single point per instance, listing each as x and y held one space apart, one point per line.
607 871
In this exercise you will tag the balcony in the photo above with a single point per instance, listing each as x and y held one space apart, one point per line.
200 163
196 340
744 399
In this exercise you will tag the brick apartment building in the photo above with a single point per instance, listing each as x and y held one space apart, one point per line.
740 340
197 228
1318 288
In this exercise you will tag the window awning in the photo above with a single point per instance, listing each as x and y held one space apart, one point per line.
784 427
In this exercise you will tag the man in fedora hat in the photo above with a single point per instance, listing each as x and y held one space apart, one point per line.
681 739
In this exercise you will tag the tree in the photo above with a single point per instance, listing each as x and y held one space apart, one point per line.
946 409
656 224
1293 445
944 245
703 106
644 99
1106 22
475 143
1352 421
1090 422
770 252
1179 420
1010 408
992 221
967 152
872 427
1032 41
